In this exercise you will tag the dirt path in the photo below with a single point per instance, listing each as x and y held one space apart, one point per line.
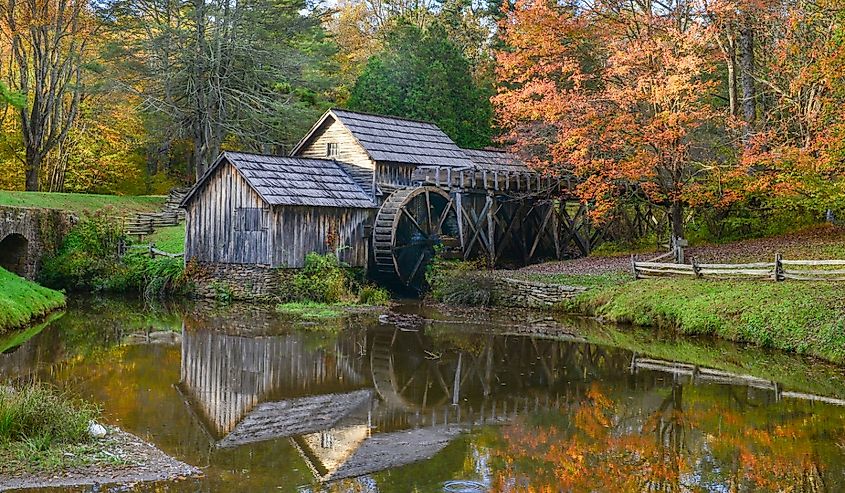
822 242
142 462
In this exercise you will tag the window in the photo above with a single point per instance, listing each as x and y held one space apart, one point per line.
250 219
331 149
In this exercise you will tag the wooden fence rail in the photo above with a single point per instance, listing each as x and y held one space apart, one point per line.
779 270
155 252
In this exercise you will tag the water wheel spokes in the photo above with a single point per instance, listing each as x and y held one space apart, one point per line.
409 229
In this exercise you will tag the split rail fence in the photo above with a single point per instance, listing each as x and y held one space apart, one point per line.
779 270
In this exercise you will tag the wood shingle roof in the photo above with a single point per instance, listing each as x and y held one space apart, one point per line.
281 180
391 139
493 160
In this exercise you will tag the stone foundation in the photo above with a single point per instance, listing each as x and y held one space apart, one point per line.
519 293
238 281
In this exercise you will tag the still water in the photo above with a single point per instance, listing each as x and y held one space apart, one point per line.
424 401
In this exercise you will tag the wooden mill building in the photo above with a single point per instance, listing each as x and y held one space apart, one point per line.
385 193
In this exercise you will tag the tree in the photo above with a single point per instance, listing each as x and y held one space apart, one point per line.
222 73
47 40
421 74
620 96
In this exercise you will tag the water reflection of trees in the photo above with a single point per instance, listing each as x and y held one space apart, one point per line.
704 438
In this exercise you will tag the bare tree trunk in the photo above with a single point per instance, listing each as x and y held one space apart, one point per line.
33 169
749 92
47 41
677 216
730 58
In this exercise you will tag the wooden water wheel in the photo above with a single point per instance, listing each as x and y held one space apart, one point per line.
411 226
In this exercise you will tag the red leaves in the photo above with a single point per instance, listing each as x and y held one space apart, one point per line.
591 94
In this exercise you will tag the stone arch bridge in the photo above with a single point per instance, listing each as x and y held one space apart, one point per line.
27 235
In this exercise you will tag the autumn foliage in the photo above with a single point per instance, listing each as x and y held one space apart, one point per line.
652 100
688 442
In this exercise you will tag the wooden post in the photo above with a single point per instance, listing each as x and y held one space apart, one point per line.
556 227
634 266
491 228
778 267
459 208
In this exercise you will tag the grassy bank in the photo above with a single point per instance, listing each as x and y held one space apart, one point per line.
804 317
82 202
43 430
22 301
89 260
170 239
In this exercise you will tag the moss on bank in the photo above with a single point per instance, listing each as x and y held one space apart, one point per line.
804 317
22 301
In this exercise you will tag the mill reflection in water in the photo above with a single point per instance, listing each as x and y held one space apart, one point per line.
380 406
375 400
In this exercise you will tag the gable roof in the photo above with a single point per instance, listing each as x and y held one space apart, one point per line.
281 180
389 138
495 160
298 416
352 455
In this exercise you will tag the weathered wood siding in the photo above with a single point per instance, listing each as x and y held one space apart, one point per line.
217 230
298 230
394 174
348 149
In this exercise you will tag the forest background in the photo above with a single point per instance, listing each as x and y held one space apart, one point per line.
723 110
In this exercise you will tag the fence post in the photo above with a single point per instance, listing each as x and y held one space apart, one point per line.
778 267
634 267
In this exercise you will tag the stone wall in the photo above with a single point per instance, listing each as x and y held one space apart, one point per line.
520 293
27 235
238 281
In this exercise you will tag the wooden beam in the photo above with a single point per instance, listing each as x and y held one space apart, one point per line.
540 232
491 229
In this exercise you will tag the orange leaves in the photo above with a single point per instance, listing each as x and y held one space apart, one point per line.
617 96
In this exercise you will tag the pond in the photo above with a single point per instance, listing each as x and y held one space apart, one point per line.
422 400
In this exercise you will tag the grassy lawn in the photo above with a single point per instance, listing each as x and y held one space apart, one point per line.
171 239
804 317
22 300
81 202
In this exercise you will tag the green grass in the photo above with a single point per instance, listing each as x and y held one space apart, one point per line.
171 239
21 301
44 430
311 310
804 317
81 202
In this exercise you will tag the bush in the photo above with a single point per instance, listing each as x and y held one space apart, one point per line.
89 259
152 277
323 279
374 296
89 255
41 417
461 287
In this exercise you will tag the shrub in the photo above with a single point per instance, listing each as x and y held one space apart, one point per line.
373 295
323 279
151 276
461 287
89 259
89 255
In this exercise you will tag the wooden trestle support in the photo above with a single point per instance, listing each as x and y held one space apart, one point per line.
505 218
